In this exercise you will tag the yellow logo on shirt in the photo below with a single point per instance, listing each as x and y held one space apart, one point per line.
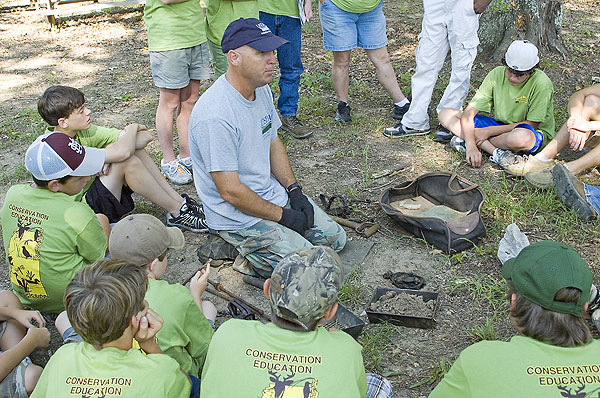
24 259
521 100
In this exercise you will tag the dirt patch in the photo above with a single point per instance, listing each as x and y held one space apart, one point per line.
403 304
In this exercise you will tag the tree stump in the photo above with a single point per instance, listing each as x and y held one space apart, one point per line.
539 21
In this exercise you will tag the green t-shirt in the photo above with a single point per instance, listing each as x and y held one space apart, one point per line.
47 238
356 6
288 8
79 370
531 100
220 13
174 26
185 333
251 359
522 367
94 137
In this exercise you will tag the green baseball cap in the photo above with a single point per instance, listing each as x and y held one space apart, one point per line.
305 284
543 268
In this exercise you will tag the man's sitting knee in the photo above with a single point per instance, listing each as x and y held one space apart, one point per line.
520 139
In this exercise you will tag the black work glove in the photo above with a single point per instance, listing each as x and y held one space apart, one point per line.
299 201
293 219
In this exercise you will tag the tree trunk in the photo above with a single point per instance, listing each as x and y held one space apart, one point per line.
539 21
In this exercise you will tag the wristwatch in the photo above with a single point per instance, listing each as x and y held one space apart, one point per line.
293 186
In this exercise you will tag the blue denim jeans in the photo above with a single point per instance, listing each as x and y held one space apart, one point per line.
290 63
592 195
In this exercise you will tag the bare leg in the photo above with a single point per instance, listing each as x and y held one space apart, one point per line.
450 118
156 174
104 223
187 99
14 332
209 310
167 105
519 139
62 322
32 375
385 72
339 74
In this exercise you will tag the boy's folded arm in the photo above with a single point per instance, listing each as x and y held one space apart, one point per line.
124 147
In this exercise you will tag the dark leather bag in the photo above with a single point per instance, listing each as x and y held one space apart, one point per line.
445 189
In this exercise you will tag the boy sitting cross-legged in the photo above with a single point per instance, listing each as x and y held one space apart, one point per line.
47 235
18 338
105 304
141 239
128 168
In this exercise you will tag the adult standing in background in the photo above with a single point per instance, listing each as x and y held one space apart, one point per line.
447 25
348 24
179 60
219 14
285 19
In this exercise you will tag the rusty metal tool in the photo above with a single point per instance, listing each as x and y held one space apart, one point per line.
254 281
366 229
219 287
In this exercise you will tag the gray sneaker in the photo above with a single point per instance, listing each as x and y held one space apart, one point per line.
343 113
505 157
458 144
400 130
187 163
175 172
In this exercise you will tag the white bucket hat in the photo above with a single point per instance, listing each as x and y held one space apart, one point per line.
521 55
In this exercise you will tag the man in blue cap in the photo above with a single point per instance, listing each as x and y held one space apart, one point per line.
242 172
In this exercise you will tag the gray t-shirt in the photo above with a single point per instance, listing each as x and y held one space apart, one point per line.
229 133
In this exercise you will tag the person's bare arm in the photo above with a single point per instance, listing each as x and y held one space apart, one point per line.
9 359
127 143
243 198
280 164
483 133
479 6
467 126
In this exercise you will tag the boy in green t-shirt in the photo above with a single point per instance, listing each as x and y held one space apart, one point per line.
292 356
554 355
128 168
143 240
522 100
105 304
18 338
47 235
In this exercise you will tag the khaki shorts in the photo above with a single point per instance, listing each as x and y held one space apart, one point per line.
175 68
13 385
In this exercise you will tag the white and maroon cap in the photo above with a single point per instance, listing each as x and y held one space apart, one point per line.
56 155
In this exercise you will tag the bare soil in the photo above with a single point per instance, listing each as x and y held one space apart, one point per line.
403 304
106 55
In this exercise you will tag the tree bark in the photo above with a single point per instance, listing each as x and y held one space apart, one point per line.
539 21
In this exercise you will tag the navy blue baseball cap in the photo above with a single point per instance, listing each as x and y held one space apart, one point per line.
252 32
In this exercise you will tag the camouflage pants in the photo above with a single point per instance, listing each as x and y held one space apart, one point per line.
267 242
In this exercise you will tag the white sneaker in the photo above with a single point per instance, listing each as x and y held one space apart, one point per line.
175 172
187 162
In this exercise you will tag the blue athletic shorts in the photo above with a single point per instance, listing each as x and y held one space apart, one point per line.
343 30
486 121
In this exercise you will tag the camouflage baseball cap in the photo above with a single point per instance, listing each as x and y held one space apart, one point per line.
305 284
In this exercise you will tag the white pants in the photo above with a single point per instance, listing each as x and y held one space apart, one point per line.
447 24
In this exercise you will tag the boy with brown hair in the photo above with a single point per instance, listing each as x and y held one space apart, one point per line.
105 304
47 235
128 169
18 338
141 239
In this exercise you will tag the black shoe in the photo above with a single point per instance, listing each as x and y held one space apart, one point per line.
188 219
192 204
442 134
399 111
400 130
571 191
343 113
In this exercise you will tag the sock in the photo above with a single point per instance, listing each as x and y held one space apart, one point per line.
403 102
541 157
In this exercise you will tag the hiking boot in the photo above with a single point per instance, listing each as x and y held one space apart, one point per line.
292 125
400 130
192 204
188 220
187 163
442 134
216 248
541 178
175 172
343 113
399 111
527 165
570 190
458 144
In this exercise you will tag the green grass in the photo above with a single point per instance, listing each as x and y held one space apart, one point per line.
483 288
438 372
19 174
20 129
374 345
349 294
485 331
